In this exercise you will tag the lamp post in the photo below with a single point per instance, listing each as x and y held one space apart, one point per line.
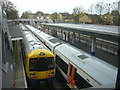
30 19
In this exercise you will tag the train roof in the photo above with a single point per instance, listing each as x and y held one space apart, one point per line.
23 27
99 70
31 42
53 41
40 53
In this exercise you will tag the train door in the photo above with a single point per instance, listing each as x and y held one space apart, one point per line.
70 75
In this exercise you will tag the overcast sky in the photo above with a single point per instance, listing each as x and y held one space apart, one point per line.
51 6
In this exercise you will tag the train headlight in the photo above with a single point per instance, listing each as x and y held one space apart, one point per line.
51 74
33 76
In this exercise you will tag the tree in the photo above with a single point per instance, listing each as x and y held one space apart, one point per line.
100 9
76 14
107 19
115 14
54 16
39 14
114 5
25 14
12 14
10 10
107 7
90 10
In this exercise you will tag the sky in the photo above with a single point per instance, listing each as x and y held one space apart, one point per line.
51 6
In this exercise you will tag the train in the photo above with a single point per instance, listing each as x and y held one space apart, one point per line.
79 69
6 64
40 64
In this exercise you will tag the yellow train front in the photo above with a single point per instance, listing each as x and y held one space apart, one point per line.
40 64
40 67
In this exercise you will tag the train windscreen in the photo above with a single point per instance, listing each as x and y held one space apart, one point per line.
41 64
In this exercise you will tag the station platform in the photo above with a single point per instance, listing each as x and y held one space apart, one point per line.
20 79
19 74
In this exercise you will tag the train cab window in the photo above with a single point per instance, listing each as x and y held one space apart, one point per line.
41 64
50 62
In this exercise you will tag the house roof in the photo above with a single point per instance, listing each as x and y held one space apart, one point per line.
65 14
69 17
92 15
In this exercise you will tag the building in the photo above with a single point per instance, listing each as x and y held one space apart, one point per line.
62 16
89 18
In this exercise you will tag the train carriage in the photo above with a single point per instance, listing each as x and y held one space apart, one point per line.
82 70
39 61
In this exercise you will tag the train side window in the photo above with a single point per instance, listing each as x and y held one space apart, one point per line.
80 82
61 64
